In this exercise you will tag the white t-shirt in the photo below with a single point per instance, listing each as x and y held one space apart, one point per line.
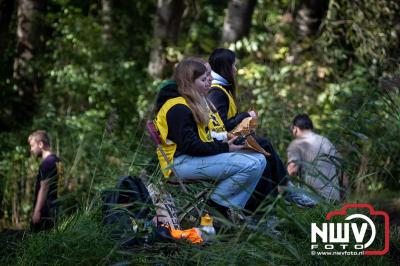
318 162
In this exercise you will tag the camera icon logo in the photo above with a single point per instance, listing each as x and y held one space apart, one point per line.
357 233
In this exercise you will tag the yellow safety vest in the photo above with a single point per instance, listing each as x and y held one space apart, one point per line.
232 110
167 145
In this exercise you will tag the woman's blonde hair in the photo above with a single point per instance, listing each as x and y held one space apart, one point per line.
187 71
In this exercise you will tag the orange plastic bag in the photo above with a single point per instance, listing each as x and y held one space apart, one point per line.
192 234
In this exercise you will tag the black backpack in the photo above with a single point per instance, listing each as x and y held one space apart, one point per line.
128 210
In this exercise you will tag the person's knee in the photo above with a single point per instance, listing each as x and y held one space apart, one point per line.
255 166
262 166
262 162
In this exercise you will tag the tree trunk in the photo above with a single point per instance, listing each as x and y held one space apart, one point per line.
166 31
106 17
30 35
6 10
238 20
309 16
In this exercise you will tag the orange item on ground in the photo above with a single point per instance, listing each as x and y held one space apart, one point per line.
192 234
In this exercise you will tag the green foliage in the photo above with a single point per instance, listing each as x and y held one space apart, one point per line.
361 30
205 31
93 92
96 94
334 77
82 240
88 77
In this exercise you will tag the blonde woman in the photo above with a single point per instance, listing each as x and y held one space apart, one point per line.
187 123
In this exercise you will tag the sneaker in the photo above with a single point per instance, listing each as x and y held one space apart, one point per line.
300 200
217 210
267 226
236 216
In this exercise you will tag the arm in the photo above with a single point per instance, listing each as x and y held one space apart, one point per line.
293 155
183 131
221 103
40 201
292 169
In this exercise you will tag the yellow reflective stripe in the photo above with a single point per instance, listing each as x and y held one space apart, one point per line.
232 110
169 148
216 124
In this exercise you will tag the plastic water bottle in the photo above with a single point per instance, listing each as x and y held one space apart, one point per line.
206 228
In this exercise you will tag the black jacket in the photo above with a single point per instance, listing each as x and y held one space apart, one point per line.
221 103
182 129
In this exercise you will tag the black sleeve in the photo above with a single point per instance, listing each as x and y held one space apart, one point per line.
221 102
48 169
183 131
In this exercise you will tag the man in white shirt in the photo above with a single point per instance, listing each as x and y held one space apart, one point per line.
313 158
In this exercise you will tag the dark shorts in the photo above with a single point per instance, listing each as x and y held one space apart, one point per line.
47 221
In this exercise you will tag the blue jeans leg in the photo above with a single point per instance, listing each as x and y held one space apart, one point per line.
237 174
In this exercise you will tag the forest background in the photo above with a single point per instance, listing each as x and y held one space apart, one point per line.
88 73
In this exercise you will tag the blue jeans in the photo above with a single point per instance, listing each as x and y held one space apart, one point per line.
237 174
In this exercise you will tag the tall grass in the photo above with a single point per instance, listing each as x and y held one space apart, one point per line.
80 239
94 159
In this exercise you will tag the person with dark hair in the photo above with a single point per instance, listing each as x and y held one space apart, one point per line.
50 171
223 96
314 159
223 89
192 136
303 121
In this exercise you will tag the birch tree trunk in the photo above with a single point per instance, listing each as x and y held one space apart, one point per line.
237 21
166 32
309 16
107 19
30 36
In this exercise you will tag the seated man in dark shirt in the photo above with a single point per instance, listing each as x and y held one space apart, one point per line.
44 213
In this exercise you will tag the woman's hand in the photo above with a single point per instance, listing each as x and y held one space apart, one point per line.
253 114
233 147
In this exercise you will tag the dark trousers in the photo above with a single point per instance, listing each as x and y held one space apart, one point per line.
47 221
275 174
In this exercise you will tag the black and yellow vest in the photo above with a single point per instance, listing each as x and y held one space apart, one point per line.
167 145
232 110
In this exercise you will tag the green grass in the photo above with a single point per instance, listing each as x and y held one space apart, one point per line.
80 239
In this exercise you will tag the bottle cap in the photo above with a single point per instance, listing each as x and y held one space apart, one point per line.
206 220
